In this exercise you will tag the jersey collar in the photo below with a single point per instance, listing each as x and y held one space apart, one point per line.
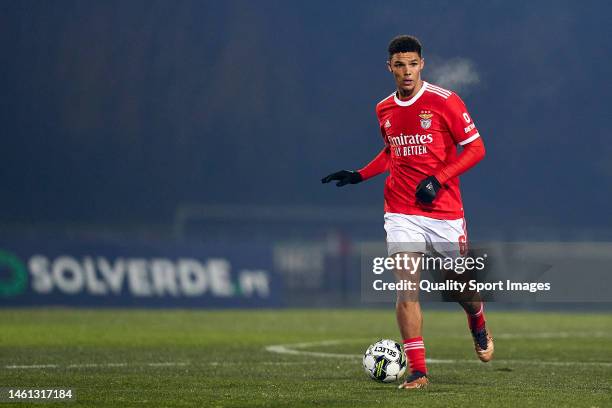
411 100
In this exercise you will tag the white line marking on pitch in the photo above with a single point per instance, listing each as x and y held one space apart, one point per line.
552 335
94 365
295 349
167 364
31 366
86 365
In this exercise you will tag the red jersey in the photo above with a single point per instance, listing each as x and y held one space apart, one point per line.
422 134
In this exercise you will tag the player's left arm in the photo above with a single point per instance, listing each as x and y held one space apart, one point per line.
472 153
464 132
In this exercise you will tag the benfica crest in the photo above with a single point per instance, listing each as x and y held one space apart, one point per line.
426 119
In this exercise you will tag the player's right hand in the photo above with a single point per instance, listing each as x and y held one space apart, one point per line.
344 177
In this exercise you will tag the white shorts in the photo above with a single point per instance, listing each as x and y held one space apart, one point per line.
417 233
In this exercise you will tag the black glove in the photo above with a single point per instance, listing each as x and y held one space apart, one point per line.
344 177
427 189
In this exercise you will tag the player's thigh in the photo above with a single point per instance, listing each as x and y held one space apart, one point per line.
404 234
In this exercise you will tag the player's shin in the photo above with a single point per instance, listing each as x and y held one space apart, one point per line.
410 319
475 315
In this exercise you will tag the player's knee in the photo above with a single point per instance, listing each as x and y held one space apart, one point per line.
407 302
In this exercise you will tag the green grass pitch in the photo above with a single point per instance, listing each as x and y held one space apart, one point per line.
123 358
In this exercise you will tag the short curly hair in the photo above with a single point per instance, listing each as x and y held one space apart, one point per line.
405 43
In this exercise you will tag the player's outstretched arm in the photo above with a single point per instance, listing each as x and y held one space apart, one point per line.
343 177
378 165
472 153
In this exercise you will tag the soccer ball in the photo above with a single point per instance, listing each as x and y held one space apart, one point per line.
384 361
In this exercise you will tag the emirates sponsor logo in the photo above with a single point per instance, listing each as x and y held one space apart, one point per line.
410 145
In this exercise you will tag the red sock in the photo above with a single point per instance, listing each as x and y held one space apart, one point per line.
476 321
415 352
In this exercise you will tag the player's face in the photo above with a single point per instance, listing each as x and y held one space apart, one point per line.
406 68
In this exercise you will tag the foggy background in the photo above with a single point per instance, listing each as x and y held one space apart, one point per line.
119 113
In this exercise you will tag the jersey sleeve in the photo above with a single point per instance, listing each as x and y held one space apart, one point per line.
381 128
383 135
459 122
472 153
378 165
